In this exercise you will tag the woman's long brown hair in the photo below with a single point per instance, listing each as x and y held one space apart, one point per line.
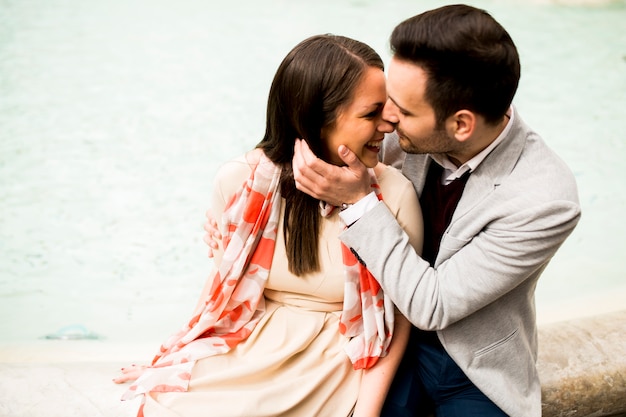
311 86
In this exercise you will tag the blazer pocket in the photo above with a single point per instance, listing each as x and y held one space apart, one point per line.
496 345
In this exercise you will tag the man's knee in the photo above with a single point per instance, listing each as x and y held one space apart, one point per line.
406 397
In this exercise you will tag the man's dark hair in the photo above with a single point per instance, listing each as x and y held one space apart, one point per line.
470 59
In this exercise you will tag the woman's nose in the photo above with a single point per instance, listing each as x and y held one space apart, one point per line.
385 126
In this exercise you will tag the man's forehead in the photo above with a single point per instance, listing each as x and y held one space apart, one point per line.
406 69
406 83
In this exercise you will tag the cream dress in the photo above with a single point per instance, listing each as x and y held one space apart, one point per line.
293 363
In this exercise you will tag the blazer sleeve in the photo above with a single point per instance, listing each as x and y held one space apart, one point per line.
401 200
480 270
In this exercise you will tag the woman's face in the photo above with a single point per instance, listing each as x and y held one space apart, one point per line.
359 124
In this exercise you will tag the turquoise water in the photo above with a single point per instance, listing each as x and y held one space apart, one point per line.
115 115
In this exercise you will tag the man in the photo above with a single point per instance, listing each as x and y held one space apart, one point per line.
497 204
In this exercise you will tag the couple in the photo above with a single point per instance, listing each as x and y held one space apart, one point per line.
326 252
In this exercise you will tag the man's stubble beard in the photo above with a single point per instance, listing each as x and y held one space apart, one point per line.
437 142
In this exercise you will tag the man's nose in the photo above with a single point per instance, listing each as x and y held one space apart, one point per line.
390 112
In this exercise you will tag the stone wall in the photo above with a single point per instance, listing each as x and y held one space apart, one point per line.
582 366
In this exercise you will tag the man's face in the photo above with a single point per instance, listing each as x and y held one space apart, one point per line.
412 116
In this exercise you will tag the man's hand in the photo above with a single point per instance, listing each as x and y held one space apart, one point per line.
213 235
330 183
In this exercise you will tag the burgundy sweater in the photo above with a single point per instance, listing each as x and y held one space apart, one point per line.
438 203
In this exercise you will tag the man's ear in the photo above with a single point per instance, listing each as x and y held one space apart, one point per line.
462 125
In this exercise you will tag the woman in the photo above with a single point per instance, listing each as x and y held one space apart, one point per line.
292 324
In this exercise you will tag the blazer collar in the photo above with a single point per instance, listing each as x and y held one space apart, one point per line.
494 168
487 176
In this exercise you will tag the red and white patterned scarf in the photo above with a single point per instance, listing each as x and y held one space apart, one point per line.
235 303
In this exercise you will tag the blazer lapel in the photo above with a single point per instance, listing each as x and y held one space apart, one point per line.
492 170
415 168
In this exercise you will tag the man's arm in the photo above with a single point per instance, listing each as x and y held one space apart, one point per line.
489 264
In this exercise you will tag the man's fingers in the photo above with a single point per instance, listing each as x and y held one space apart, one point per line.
210 226
212 233
348 156
297 161
308 164
304 173
210 241
328 182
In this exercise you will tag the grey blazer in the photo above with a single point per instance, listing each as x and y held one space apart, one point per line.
518 207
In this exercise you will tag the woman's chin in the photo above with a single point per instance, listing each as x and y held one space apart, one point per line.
369 162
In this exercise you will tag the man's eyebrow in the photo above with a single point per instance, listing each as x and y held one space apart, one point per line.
398 106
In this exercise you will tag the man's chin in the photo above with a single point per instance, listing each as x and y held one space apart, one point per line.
408 147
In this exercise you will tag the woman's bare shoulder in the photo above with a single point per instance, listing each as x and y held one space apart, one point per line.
392 176
240 166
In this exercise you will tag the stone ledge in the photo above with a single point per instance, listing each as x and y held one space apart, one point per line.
582 366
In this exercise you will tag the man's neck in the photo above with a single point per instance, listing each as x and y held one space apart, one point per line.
485 136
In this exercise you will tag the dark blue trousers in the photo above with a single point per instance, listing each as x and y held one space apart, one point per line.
429 383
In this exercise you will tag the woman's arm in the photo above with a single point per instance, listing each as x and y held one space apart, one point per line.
377 379
227 182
